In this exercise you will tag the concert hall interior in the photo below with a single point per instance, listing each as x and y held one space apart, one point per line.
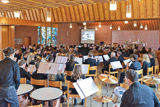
79 53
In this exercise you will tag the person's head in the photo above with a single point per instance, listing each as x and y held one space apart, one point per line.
85 45
24 46
119 53
21 46
77 72
8 52
134 57
17 51
90 54
135 51
38 51
44 51
28 50
131 76
30 46
37 65
146 58
26 54
113 54
30 58
149 49
22 63
143 48
76 48
50 59
151 55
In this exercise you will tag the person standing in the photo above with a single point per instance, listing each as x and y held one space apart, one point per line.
9 79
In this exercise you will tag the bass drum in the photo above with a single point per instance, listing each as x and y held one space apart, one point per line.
117 94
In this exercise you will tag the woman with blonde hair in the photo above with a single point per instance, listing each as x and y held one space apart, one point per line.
30 60
76 75
146 63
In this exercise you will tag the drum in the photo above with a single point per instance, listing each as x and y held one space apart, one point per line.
117 94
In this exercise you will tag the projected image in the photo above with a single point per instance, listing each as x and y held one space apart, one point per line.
88 36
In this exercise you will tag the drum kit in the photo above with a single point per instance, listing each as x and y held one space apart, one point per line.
117 94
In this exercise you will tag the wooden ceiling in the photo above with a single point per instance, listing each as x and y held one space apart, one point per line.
151 25
73 11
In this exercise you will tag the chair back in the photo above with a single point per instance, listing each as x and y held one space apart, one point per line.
126 57
57 84
92 68
156 69
140 72
23 80
150 69
39 82
100 53
68 73
140 55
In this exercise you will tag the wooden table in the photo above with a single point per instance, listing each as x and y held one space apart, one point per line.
24 89
46 94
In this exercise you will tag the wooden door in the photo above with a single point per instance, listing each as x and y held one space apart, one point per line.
27 41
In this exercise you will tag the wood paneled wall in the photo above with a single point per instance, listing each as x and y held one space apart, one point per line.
142 9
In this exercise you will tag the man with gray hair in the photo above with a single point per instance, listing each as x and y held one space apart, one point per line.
137 95
106 63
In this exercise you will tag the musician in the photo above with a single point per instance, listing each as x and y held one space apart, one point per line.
92 62
126 53
25 56
143 50
85 50
9 79
17 55
135 66
31 60
120 57
24 49
146 63
137 95
112 59
44 54
76 75
23 72
31 49
151 56
38 54
76 51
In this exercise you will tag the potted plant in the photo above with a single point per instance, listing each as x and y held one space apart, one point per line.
126 41
141 42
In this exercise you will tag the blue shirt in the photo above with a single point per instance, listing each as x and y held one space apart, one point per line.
135 65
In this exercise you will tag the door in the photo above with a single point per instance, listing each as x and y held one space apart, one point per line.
27 41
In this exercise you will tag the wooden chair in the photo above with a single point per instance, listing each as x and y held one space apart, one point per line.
139 59
23 80
36 106
150 69
156 69
111 72
68 73
126 57
140 72
100 54
70 85
124 86
92 75
140 55
39 82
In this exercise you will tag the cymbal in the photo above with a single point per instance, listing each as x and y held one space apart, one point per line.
152 75
103 99
152 81
108 78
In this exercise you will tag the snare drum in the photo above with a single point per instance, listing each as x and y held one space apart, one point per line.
117 94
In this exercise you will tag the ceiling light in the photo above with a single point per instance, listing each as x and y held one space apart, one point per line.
113 5
70 25
126 22
85 27
141 26
135 24
5 1
145 27
84 23
119 28
96 28
16 14
110 26
99 24
128 11
48 16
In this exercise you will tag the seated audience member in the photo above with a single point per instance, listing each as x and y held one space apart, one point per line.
70 65
135 66
56 77
92 62
31 49
155 57
23 72
130 50
106 63
149 50
38 76
100 50
143 51
120 57
65 49
76 75
126 53
146 63
25 56
152 61
44 54
135 51
38 55
94 50
30 60
24 49
76 52
85 50
137 95
17 55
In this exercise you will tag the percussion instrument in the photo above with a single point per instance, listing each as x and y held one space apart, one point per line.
108 78
152 75
117 94
102 99
152 80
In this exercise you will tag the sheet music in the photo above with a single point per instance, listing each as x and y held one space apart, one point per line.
19 60
128 60
85 68
84 58
64 60
79 91
43 68
62 67
79 60
106 57
59 59
87 86
116 65
15 59
100 58
43 60
31 68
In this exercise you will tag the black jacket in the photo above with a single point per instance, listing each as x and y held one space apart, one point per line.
70 67
113 59
135 65
9 73
24 74
85 51
139 96
152 62
120 58
18 56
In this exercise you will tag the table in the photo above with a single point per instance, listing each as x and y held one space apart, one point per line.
46 94
24 89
